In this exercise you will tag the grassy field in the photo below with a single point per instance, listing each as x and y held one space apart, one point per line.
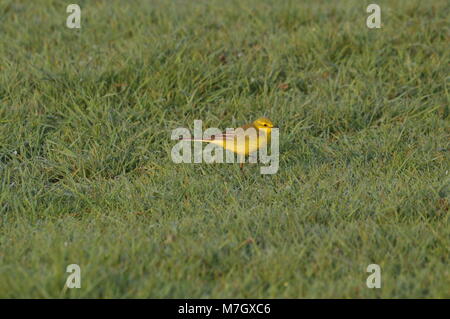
87 178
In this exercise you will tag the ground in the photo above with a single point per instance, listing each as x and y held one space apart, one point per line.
86 117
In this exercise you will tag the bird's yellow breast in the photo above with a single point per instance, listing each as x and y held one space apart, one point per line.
244 144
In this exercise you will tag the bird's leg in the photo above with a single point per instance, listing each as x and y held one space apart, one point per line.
241 165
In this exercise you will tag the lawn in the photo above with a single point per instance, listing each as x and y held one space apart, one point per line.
86 175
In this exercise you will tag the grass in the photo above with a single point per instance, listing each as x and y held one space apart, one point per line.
86 176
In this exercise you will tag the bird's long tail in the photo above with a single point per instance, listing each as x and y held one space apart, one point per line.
195 139
220 137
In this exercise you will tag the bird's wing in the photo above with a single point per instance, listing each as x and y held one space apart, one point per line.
227 135
231 135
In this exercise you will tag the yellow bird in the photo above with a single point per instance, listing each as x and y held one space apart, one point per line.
241 141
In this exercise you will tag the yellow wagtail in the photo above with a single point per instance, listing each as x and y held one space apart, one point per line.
241 143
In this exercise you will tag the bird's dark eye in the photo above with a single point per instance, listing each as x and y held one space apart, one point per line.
265 124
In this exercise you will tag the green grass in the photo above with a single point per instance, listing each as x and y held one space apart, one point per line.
86 176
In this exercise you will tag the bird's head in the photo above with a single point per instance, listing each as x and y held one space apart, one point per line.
263 123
